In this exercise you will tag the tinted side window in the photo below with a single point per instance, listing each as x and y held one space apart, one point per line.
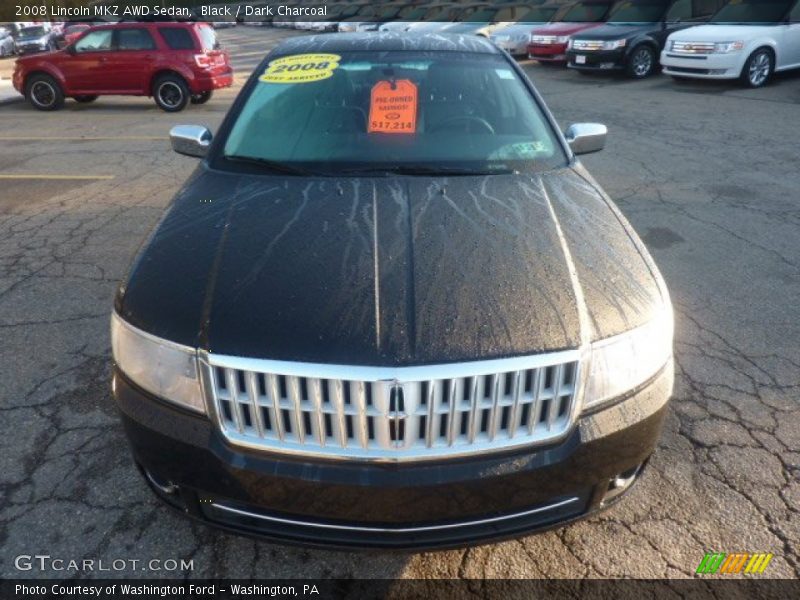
794 16
177 38
680 11
95 41
705 8
135 39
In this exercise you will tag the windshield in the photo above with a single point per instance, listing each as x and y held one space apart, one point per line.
32 32
411 13
752 11
75 28
394 111
540 14
586 12
482 16
208 38
389 12
643 11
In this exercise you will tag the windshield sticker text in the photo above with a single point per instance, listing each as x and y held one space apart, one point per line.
393 107
301 68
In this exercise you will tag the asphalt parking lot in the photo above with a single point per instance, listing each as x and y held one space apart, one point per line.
707 174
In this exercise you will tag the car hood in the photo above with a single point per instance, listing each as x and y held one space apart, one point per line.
514 29
390 271
563 28
722 33
616 32
465 27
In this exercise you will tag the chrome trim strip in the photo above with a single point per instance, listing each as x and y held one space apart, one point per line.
400 374
533 511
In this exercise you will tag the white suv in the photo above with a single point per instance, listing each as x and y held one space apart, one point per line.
747 39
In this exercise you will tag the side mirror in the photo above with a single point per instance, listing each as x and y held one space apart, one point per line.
191 140
584 138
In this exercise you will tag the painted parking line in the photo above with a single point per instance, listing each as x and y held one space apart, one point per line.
56 177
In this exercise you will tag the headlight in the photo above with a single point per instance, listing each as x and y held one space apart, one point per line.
562 39
624 362
613 44
163 368
727 47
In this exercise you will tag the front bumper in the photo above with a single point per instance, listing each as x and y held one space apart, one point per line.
548 52
424 505
31 49
597 60
708 66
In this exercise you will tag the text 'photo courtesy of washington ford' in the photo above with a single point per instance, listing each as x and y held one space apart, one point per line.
391 308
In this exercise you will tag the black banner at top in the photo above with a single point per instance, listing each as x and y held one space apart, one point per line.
262 10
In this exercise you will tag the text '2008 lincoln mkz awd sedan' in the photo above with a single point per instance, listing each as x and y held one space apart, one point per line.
390 308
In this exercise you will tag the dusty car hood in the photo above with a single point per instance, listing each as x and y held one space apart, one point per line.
724 33
616 32
514 29
563 28
389 271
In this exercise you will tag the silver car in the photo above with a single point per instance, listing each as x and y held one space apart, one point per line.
6 43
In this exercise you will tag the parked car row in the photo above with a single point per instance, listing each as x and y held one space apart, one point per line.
716 39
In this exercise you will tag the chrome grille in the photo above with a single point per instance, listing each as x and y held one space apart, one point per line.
543 39
693 47
379 413
587 45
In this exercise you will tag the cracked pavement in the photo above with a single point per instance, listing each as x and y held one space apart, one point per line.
706 173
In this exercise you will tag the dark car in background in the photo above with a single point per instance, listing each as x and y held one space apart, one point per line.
391 308
548 43
34 38
175 63
634 35
70 33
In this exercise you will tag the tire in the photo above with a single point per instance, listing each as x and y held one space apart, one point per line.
171 93
44 93
758 68
85 99
641 62
202 97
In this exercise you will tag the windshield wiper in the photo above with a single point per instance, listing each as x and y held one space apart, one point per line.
423 170
272 165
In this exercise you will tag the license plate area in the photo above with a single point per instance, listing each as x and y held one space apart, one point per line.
580 59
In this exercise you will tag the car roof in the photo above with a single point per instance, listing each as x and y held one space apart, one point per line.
386 42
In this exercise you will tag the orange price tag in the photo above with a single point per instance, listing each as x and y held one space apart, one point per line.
393 110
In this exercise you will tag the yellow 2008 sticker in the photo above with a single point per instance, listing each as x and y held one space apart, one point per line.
301 68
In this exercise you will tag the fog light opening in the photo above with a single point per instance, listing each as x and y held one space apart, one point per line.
620 483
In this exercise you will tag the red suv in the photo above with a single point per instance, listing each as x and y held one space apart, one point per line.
175 63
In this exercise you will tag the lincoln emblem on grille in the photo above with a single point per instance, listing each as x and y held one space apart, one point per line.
397 415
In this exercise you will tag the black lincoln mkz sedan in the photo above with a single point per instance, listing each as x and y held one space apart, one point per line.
390 308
